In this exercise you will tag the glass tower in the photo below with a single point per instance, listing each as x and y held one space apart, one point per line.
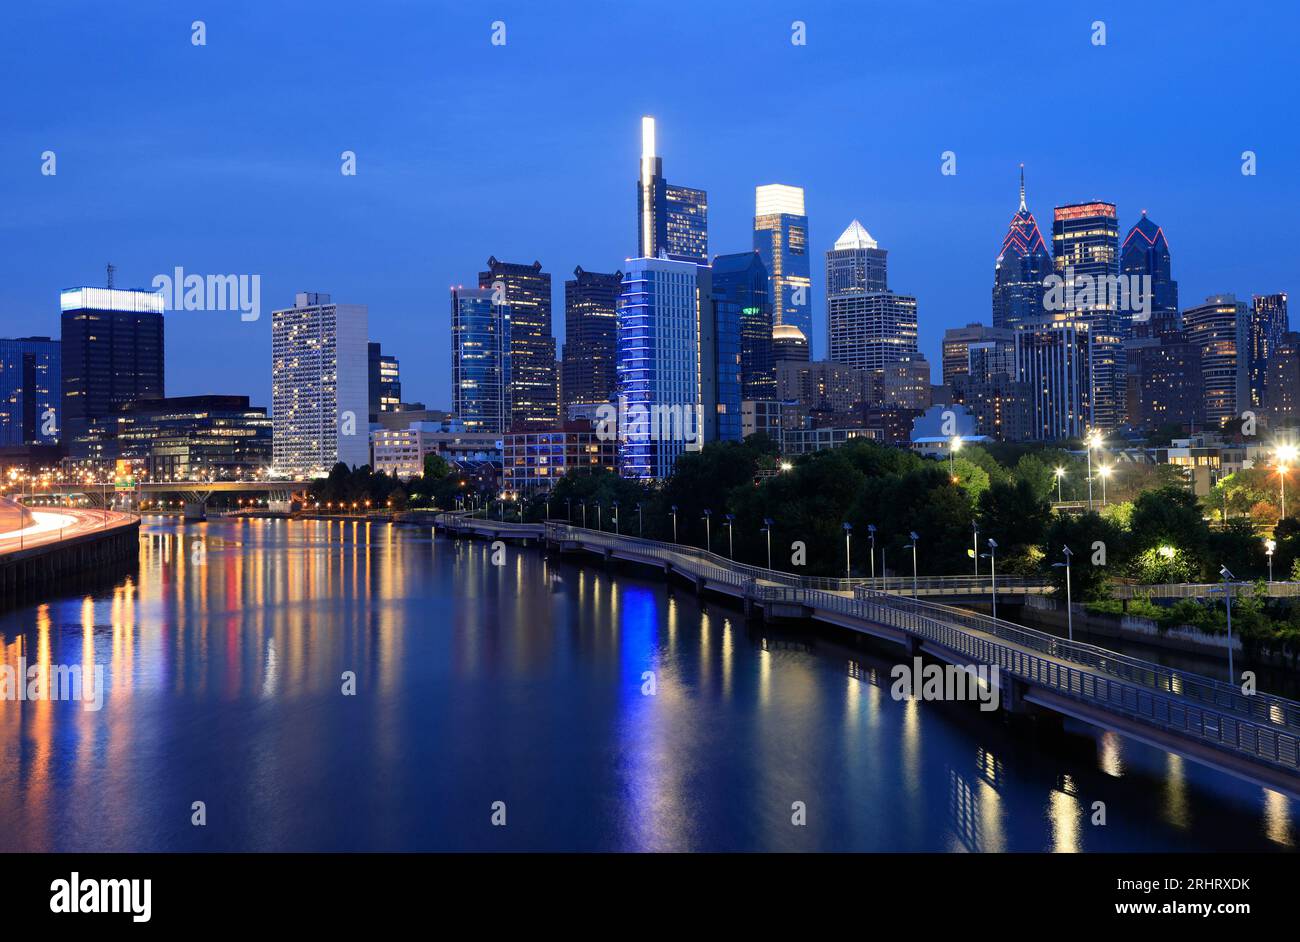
781 240
868 325
1145 255
481 360
1022 265
740 291
30 391
1221 328
526 289
590 337
1268 324
672 221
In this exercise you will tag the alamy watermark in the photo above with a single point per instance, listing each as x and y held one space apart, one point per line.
1074 292
52 682
182 292
935 682
659 422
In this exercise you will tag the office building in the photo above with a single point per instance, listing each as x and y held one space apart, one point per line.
526 289
993 342
385 382
672 221
112 353
1054 360
481 360
320 389
534 462
1164 383
868 325
740 290
589 374
789 345
781 240
1221 329
1152 310
901 385
856 263
400 451
31 391
1282 391
1268 323
823 386
1021 266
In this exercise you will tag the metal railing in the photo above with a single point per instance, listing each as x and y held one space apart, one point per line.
1192 590
1261 727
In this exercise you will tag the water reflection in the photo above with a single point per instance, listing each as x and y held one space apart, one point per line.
608 711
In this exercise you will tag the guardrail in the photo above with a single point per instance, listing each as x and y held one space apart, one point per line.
1193 590
1261 727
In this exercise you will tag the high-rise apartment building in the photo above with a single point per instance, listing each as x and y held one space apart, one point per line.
589 369
1054 360
672 221
31 391
1164 382
993 341
740 291
482 366
534 392
320 389
781 240
1021 266
1221 328
1282 391
1268 323
385 381
868 325
112 350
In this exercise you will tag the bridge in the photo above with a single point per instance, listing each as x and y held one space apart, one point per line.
1253 737
193 494
1203 590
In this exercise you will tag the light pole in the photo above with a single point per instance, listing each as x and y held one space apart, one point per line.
731 545
1269 546
1060 473
674 523
767 528
1094 441
1285 454
708 530
912 547
599 524
848 550
952 454
1069 608
871 533
568 512
584 515
614 504
975 545
993 573
1227 600
1105 473
640 523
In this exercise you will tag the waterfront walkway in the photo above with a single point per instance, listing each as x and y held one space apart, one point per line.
1254 737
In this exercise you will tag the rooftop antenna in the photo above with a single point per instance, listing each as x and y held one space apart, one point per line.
1022 188
111 268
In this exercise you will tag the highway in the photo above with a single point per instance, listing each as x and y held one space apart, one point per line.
53 525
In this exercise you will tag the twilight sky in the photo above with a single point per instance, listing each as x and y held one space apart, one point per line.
224 159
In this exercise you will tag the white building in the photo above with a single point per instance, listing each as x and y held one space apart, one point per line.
319 386
401 452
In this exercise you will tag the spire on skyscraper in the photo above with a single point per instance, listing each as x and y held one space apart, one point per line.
1022 188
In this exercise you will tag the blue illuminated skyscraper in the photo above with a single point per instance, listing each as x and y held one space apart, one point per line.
480 360
30 390
781 240
740 293
672 221
1144 255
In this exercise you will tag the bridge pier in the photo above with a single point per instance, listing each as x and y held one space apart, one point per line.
195 510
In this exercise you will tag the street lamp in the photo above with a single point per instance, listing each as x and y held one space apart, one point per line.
1060 473
1094 441
1285 454
1227 600
584 514
708 530
993 572
1269 546
731 546
640 526
1069 608
614 504
767 528
871 532
952 453
568 512
848 558
975 545
912 547
674 523
1105 473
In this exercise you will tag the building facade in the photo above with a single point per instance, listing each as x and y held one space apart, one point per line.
1221 329
589 369
534 390
1054 360
781 240
320 389
535 461
993 342
1164 383
112 353
672 221
481 360
1144 256
1268 323
31 391
385 382
868 326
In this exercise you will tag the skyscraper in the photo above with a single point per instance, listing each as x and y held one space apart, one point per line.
1022 265
589 369
781 240
320 393
665 351
534 393
1054 359
868 325
789 345
481 360
31 390
1268 323
1164 382
1144 256
958 342
1220 327
112 354
740 291
672 221
385 382
1085 238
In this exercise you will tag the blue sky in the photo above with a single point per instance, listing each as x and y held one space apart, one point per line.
225 158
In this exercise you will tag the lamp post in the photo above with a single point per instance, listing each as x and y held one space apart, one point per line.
1269 546
568 513
871 534
993 573
975 545
599 524
952 454
584 515
1227 600
674 523
767 528
1094 441
1104 471
1060 473
708 530
1069 607
731 545
640 523
614 504
1285 455
912 547
848 550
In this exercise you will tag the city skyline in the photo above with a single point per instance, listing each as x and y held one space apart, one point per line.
900 196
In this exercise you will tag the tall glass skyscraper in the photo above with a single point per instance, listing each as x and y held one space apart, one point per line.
1221 328
31 385
320 386
1054 360
1022 265
112 354
672 221
1268 324
1145 254
1085 239
481 360
740 292
781 240
590 337
868 325
534 392
666 350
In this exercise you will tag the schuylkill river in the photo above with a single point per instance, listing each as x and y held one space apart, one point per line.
477 684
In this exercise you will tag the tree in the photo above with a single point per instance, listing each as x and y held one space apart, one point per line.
1169 516
436 467
1097 545
1015 516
